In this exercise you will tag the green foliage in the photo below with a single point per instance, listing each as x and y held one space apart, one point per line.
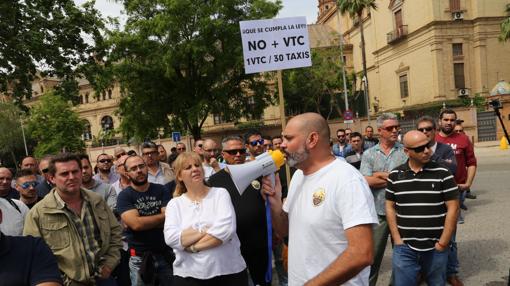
11 138
316 88
355 7
55 126
46 36
180 61
505 26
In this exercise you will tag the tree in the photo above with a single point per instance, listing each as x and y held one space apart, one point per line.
355 9
55 126
46 37
505 26
180 61
315 88
11 138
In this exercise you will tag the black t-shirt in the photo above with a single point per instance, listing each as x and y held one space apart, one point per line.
26 260
147 203
251 223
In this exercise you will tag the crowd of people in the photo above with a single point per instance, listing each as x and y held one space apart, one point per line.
179 219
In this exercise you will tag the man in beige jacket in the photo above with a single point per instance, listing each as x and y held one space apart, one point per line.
77 225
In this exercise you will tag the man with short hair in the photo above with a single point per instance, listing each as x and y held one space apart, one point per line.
210 153
118 152
277 142
27 260
45 187
421 210
342 147
142 209
267 143
26 181
162 153
123 181
180 147
348 132
251 221
30 163
329 212
353 157
14 210
369 140
254 143
105 173
77 225
197 147
159 172
106 191
376 164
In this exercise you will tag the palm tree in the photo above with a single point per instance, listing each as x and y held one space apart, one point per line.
355 9
505 26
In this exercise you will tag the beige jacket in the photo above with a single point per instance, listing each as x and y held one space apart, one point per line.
49 221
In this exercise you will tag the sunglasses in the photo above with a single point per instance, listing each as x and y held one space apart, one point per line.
340 136
120 155
200 145
255 142
45 170
234 152
421 148
105 161
391 128
27 185
428 129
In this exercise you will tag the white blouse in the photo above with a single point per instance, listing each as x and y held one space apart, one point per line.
214 213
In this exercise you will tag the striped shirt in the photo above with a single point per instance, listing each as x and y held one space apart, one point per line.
87 229
420 202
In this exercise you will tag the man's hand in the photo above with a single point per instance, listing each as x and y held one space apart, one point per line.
439 247
214 163
463 187
381 175
105 272
270 192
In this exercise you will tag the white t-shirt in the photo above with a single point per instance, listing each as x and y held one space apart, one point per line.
321 206
13 219
216 213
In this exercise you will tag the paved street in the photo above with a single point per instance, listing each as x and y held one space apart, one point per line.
484 239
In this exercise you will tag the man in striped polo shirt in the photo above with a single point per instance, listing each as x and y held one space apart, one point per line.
421 210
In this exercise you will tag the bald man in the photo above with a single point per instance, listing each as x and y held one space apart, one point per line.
425 219
329 212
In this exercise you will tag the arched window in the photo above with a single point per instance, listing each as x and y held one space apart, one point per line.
87 97
109 94
107 123
87 132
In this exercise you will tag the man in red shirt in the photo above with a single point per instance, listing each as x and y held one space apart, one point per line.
464 175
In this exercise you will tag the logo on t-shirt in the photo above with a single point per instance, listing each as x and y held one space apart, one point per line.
319 196
255 184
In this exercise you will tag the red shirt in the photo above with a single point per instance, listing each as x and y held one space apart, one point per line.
464 153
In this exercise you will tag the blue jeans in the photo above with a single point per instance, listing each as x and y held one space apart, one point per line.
408 263
164 271
380 235
453 261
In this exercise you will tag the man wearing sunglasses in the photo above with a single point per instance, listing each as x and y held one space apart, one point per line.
106 191
376 163
423 223
26 181
250 210
45 187
254 143
441 153
105 173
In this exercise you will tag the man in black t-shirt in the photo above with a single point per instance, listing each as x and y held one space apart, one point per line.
142 208
250 212
26 260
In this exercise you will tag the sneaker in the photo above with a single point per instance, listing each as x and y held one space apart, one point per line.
471 196
454 281
461 219
463 206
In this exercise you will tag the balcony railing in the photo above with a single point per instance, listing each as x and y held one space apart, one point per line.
397 35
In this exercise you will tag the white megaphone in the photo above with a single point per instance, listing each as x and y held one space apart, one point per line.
265 164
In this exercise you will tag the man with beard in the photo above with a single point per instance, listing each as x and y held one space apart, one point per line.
342 147
252 226
142 209
329 211
106 191
369 140
45 187
159 172
376 164
254 142
464 173
105 173
209 161
26 181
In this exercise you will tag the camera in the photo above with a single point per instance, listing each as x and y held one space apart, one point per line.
495 104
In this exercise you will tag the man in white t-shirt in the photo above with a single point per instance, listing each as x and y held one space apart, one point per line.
328 213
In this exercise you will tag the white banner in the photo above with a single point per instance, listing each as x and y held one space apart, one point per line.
275 44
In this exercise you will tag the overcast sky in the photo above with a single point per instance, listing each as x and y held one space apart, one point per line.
290 8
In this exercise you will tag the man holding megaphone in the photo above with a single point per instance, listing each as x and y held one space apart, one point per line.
249 207
329 211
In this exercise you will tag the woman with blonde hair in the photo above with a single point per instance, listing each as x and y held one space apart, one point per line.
200 226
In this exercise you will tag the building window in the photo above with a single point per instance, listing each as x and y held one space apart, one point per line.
109 94
107 123
458 73
81 99
219 119
87 97
398 20
104 95
454 5
404 86
87 133
457 50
